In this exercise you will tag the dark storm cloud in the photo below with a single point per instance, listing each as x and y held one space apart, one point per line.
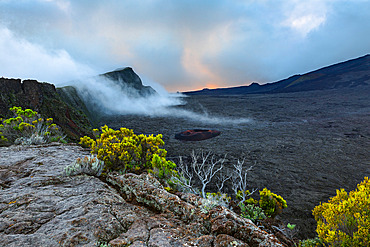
180 44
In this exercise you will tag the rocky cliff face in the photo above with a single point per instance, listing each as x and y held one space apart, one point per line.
73 109
41 207
43 98
128 78
92 95
70 96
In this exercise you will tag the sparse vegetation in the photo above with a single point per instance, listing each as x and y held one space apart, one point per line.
27 127
205 168
89 165
240 181
123 151
207 205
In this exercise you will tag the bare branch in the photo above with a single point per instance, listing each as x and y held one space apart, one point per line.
239 180
204 167
186 178
224 175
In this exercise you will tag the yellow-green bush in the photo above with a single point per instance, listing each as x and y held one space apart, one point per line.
312 242
28 127
271 203
345 219
161 167
2 137
250 200
123 150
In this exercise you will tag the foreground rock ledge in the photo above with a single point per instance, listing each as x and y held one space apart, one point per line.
41 207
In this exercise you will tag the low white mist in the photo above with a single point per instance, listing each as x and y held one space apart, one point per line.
206 118
112 98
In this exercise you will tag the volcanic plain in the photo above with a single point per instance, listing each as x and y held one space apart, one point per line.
303 146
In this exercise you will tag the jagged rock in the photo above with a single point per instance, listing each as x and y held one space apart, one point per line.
147 190
126 77
224 240
43 98
41 207
204 241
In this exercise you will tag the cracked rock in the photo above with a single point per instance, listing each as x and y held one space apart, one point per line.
41 207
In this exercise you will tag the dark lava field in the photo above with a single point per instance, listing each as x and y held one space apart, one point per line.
304 145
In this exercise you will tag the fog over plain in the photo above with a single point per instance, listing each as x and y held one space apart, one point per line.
182 45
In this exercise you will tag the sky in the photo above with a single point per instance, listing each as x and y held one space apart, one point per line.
180 44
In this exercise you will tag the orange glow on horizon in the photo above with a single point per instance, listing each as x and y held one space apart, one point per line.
212 85
176 88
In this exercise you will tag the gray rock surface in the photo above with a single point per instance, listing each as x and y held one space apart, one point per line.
41 207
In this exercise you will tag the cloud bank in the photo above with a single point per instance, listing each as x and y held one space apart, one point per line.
23 59
112 98
183 45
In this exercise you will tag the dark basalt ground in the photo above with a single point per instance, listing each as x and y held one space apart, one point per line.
304 145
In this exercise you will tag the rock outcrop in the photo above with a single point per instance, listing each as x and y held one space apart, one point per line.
84 98
69 109
43 98
126 77
70 95
41 207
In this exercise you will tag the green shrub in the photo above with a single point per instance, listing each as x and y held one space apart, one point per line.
271 203
27 127
314 242
122 150
252 212
291 226
213 200
345 219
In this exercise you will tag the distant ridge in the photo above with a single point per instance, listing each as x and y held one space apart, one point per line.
348 74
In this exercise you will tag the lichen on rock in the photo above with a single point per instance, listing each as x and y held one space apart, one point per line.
41 207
